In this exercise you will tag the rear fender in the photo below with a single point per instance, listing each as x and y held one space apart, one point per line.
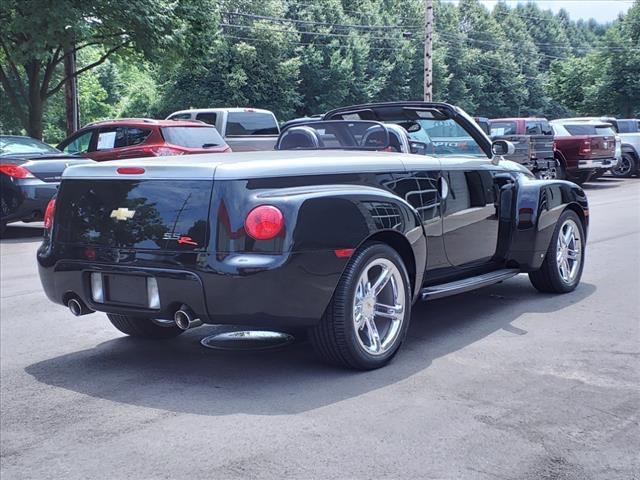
324 224
344 217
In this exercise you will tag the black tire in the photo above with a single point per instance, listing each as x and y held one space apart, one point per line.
626 167
561 171
548 278
335 337
142 327
597 174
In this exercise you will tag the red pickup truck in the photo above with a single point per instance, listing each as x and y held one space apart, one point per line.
582 148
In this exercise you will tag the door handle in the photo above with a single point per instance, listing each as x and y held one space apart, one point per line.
443 188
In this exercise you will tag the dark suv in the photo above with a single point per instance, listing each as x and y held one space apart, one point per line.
133 138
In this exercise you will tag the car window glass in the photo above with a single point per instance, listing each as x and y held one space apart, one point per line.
180 116
193 137
11 145
80 143
251 123
503 128
136 136
605 131
448 138
109 138
533 128
207 117
580 129
625 126
546 128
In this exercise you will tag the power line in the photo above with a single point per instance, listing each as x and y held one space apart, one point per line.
453 37
309 44
306 32
332 25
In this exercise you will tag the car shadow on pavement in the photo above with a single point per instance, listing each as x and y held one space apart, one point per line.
182 376
603 183
22 234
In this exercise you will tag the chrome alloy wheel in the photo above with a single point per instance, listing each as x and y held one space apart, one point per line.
569 251
379 306
624 167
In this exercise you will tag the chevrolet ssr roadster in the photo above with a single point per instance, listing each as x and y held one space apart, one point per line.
332 232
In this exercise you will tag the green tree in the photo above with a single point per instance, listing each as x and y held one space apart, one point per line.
36 36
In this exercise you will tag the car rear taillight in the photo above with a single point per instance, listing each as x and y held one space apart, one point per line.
49 213
166 151
585 149
264 222
15 171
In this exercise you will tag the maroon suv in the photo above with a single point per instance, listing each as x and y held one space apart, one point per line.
141 137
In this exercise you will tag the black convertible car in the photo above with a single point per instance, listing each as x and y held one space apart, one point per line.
30 172
333 232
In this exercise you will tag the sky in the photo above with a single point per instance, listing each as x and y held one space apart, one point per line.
602 11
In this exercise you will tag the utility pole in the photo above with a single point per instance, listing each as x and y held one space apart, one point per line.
428 50
71 92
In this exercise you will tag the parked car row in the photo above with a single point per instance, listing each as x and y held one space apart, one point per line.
576 149
582 149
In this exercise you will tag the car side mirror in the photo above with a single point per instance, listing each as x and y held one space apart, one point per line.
418 148
502 147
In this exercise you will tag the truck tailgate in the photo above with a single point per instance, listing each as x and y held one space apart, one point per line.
603 146
541 147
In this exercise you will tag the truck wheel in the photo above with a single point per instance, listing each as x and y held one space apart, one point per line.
367 319
562 266
625 167
142 327
561 171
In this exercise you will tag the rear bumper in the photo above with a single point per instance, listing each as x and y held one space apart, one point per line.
259 290
597 163
538 165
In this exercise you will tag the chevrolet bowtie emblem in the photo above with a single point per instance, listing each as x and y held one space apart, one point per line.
122 213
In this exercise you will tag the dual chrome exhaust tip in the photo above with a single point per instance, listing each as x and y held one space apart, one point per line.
77 307
185 319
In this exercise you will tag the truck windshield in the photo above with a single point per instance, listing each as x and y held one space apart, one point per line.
251 123
193 137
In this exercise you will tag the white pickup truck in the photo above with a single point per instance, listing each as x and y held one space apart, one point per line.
244 129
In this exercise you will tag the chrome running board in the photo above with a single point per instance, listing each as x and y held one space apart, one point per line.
467 284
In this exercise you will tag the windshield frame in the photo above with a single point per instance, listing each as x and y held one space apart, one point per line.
392 112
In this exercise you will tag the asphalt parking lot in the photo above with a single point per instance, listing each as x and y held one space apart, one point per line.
501 383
